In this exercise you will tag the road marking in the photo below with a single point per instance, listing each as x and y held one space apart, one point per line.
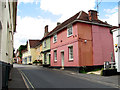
24 80
27 80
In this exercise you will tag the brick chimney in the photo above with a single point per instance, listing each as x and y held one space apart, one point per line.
92 15
46 30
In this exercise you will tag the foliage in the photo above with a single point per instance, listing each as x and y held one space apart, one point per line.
22 47
38 61
102 71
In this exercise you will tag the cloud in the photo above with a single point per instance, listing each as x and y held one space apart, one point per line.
30 28
111 16
111 10
66 8
112 19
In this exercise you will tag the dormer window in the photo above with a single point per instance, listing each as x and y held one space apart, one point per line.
55 38
69 31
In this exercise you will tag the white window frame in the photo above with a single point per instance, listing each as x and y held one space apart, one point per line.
54 38
55 56
68 28
44 43
69 53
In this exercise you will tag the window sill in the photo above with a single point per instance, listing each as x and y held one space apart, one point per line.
55 61
55 42
70 60
70 35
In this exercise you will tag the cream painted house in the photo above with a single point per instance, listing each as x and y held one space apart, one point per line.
29 55
8 12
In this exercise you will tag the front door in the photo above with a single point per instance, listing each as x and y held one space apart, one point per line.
45 58
49 58
62 59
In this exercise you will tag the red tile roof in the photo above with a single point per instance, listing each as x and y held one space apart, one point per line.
33 43
80 16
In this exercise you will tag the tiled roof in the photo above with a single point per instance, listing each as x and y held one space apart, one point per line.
82 16
33 43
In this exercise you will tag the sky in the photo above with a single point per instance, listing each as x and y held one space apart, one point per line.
34 15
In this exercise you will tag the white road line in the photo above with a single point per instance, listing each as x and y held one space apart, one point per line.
27 80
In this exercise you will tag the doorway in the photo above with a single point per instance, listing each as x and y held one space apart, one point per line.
49 58
62 59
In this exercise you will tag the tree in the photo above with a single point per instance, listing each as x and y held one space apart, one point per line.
21 48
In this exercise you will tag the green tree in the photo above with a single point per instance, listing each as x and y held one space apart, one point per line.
21 48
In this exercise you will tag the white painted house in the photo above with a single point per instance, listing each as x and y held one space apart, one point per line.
8 12
116 39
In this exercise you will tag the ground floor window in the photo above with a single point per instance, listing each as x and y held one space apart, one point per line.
70 49
25 60
55 55
30 58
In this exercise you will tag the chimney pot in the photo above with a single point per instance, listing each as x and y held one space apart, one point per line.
93 15
58 23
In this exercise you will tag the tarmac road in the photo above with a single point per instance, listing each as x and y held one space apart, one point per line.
39 77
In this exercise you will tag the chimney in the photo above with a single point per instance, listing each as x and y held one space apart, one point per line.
93 15
46 30
58 23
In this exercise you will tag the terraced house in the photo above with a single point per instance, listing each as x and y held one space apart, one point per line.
46 48
29 55
82 40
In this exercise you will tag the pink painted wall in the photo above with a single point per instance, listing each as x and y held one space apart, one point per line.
102 45
62 44
85 49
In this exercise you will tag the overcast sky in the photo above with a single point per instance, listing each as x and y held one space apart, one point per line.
33 15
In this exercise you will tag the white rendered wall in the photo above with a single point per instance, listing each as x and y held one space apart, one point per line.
116 38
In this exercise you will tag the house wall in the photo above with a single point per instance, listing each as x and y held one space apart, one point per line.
7 30
116 40
47 58
102 44
33 54
25 55
38 53
6 33
62 45
47 44
41 55
44 49
85 49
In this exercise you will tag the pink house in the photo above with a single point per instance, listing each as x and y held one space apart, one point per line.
82 40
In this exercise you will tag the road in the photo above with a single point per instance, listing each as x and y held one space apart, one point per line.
39 77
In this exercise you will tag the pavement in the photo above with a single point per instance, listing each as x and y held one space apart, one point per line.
19 82
113 81
16 80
